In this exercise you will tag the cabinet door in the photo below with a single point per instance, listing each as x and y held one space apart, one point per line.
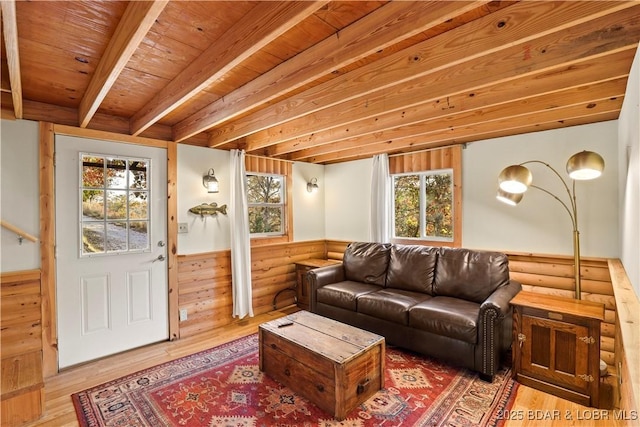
556 351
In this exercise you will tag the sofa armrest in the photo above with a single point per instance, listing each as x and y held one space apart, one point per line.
499 299
495 313
322 276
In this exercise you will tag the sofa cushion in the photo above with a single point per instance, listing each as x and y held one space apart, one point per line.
451 317
366 262
468 274
390 304
344 294
411 267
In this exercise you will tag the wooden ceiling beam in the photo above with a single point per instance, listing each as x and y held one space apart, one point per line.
378 30
520 23
609 108
497 133
136 22
584 95
68 116
548 54
566 76
10 33
263 24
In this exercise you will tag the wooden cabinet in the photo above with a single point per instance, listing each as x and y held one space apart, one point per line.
302 285
556 345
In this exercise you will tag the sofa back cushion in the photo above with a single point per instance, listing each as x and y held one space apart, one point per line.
366 262
468 274
412 267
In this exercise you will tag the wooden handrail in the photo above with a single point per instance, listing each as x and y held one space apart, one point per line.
21 233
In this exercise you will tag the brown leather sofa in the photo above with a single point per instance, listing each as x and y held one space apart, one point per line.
449 303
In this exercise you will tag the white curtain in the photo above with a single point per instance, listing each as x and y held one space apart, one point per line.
380 200
240 239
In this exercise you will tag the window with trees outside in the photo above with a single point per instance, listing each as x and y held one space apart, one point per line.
114 195
266 204
423 205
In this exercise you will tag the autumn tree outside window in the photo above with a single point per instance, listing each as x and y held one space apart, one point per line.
269 195
423 205
426 197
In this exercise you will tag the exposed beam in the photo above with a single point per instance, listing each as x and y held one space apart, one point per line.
41 112
263 24
517 24
584 95
566 76
378 30
583 113
132 28
543 55
10 32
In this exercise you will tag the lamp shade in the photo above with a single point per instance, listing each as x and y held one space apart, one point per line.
509 198
312 186
515 179
210 182
585 165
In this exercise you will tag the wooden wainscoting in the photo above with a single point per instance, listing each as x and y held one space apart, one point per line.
204 282
21 341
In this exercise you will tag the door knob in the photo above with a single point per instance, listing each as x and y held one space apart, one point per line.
160 258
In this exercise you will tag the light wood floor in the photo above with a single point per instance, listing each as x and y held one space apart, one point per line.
531 405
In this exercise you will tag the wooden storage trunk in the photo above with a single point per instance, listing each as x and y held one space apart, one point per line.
334 365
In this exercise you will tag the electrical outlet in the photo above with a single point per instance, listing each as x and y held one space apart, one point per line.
183 227
183 314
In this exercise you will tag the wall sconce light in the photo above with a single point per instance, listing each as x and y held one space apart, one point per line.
514 180
210 182
312 186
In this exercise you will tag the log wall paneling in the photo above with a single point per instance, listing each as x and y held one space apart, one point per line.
21 341
204 282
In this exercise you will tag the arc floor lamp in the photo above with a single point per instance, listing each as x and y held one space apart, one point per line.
514 180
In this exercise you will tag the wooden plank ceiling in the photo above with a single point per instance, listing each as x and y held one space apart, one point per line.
317 81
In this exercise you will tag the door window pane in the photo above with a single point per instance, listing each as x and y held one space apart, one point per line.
114 194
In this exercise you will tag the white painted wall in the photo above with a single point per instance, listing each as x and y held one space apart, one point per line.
348 200
629 183
539 224
209 233
19 194
308 208
340 210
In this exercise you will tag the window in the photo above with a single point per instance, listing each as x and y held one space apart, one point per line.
266 203
114 196
423 205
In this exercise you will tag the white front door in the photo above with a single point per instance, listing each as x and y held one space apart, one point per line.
111 227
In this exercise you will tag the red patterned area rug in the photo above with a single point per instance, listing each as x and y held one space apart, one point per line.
224 387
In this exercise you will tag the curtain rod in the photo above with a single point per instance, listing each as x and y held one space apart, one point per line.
463 145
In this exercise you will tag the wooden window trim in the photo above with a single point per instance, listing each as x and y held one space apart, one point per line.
258 164
437 159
